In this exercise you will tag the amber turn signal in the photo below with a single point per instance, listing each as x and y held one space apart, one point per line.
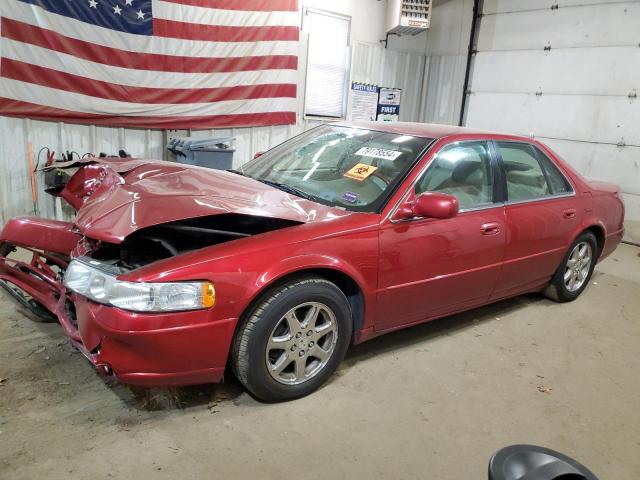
208 295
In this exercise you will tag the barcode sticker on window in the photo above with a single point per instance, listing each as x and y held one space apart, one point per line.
378 153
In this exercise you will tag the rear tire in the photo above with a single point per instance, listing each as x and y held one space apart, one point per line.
293 340
575 270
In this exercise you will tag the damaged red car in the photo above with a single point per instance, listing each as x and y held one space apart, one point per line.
172 274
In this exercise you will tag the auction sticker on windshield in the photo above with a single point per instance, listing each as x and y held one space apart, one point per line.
378 153
361 171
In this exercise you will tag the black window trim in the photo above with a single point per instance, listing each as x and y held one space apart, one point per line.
536 153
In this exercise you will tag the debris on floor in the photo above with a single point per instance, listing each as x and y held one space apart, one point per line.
544 389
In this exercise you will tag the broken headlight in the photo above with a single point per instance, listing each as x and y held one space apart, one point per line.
87 279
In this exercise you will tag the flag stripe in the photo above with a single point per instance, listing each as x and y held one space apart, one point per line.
23 52
222 33
19 108
251 5
84 103
213 16
21 32
78 30
63 81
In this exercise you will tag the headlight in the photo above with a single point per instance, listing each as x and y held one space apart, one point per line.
103 287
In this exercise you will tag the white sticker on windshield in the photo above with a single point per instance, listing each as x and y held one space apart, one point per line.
378 153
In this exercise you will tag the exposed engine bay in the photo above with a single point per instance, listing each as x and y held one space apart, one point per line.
174 238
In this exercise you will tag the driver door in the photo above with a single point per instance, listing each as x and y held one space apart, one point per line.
431 267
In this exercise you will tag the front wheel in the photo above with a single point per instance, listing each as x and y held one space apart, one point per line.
573 275
293 340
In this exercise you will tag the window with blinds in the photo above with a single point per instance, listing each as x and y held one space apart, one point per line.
327 63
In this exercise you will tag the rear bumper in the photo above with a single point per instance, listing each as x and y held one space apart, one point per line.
182 348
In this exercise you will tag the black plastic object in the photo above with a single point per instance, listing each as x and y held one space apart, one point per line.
528 462
55 180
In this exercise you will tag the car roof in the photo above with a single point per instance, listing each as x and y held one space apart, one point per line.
427 130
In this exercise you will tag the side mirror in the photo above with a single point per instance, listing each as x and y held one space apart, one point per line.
429 205
257 154
519 462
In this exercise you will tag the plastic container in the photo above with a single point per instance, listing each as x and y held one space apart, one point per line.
208 152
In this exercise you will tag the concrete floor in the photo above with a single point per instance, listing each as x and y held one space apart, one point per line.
432 402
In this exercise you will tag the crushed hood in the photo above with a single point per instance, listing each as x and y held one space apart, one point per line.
146 193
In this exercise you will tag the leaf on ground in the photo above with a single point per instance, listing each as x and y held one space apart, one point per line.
544 389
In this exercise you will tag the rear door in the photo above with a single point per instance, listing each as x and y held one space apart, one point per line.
541 217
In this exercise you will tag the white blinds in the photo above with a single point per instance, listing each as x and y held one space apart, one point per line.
327 64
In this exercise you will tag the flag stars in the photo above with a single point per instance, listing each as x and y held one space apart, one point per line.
129 2
140 14
117 10
93 4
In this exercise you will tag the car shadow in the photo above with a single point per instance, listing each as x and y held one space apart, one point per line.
436 328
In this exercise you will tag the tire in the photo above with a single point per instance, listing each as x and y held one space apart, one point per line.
560 288
277 361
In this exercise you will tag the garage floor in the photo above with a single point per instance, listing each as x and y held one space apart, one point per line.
434 401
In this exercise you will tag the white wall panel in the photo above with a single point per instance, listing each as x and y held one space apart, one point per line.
447 46
604 162
374 64
581 27
581 118
583 71
585 83
508 6
443 87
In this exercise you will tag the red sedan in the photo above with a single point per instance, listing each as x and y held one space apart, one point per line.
169 273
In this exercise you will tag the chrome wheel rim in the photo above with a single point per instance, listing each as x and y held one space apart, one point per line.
302 343
578 265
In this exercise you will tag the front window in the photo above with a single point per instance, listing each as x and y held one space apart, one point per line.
463 171
352 168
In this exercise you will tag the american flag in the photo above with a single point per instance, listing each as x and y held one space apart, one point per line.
150 63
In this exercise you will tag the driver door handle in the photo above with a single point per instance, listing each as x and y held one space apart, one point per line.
491 228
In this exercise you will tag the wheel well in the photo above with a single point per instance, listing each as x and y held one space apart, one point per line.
599 234
344 282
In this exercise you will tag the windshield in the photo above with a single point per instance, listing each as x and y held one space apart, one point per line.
353 168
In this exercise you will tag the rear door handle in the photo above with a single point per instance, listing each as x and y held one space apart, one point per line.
491 228
569 213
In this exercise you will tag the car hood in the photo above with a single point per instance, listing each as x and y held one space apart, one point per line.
121 197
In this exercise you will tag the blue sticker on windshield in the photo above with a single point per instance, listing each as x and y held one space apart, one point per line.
351 197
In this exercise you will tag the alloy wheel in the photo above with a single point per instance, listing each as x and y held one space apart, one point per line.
578 266
302 343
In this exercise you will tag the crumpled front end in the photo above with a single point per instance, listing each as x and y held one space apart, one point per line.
132 213
177 348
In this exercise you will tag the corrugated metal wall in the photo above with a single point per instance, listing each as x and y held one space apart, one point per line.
372 63
579 94
447 44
